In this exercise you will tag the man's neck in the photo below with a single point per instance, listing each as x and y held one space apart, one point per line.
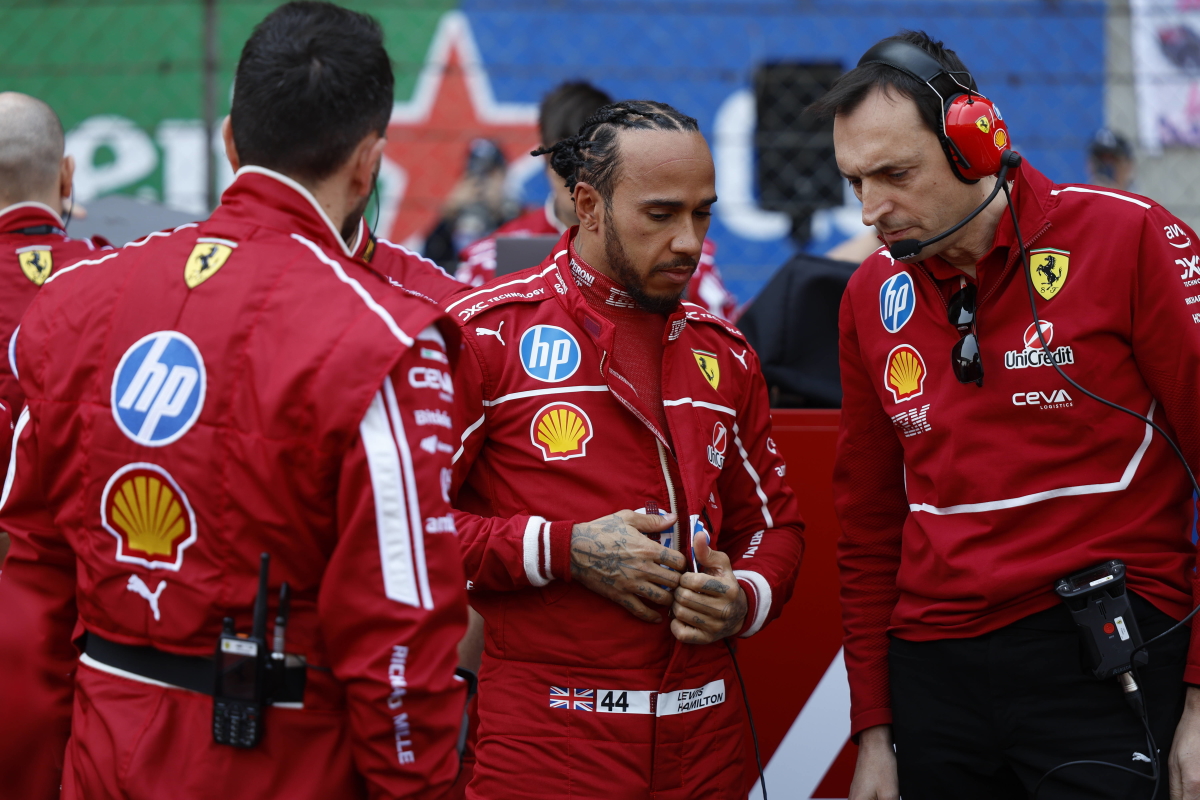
591 250
975 240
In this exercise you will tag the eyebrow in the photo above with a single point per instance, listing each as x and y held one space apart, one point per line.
664 203
870 172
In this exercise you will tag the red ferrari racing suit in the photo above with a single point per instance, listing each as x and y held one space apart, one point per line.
405 269
577 697
237 386
33 243
477 262
961 505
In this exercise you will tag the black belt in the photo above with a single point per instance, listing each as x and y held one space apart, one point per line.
196 673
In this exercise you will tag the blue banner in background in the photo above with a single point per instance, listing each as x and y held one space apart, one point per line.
1041 62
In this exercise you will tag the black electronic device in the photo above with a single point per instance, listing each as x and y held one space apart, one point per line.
243 675
1099 604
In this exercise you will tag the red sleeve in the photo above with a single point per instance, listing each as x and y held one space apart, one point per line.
761 530
392 606
37 619
1166 343
499 554
868 492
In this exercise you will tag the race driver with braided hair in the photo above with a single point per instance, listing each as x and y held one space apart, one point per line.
588 390
562 111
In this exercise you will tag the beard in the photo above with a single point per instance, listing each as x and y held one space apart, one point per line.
633 281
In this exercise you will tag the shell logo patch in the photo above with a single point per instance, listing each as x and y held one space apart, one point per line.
1001 139
36 262
1048 269
710 368
561 431
905 373
208 256
984 124
150 516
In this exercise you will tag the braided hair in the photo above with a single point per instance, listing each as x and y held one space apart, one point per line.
591 155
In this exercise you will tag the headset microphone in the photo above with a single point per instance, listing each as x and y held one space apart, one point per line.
907 248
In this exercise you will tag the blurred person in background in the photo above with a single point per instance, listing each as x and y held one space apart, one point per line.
477 205
35 191
235 388
560 115
590 390
1110 160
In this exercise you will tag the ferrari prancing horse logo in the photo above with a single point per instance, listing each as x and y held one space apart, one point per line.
710 368
36 262
1048 270
208 256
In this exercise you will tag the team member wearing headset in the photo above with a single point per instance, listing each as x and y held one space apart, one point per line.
971 476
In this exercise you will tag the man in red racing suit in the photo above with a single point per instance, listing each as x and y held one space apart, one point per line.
568 419
235 387
961 505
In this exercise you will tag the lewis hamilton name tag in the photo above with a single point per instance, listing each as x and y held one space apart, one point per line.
662 704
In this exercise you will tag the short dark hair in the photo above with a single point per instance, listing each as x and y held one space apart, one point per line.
592 154
848 92
566 107
313 80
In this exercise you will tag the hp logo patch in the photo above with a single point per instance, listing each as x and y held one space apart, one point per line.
549 353
897 301
158 389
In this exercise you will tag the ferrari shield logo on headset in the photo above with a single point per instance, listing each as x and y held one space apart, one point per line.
1048 270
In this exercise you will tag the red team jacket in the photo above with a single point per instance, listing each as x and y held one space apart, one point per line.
233 387
477 262
577 697
404 269
33 244
961 505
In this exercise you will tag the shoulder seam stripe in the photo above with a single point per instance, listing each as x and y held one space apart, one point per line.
1098 191
406 251
501 286
78 264
379 310
687 401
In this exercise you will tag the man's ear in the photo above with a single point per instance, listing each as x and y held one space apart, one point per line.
231 152
66 177
366 160
588 207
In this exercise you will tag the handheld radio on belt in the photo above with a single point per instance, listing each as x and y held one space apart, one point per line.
248 674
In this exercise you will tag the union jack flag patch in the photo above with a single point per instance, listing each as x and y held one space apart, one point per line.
579 699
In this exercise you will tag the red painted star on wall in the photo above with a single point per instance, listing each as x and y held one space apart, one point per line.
429 136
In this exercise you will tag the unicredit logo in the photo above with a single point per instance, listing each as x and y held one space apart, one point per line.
1034 355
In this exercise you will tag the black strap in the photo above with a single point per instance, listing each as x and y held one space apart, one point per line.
197 673
40 230
187 672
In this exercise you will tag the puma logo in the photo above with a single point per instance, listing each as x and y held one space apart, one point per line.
136 584
488 332
741 358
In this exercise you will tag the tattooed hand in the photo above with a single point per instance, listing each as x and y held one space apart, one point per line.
709 605
611 557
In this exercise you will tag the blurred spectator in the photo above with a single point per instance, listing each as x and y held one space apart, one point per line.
1110 160
475 207
562 113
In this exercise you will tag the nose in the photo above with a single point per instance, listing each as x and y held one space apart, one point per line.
876 203
689 238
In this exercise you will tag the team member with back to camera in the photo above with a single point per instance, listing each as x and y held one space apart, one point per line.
589 390
208 397
971 475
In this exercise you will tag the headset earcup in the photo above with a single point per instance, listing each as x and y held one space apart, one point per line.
976 130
